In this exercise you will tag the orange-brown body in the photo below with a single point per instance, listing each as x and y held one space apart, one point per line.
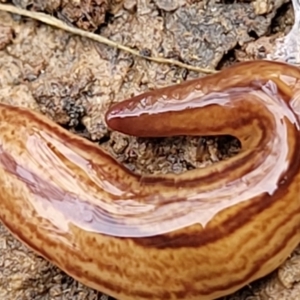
193 236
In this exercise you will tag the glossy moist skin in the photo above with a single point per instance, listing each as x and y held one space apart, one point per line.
198 235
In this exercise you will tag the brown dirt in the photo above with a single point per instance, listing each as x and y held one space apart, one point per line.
73 81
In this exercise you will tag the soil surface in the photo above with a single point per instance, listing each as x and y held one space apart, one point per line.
73 81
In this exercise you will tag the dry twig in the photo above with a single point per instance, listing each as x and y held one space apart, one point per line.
52 21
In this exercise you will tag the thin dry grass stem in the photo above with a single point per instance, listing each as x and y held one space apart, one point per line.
52 21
